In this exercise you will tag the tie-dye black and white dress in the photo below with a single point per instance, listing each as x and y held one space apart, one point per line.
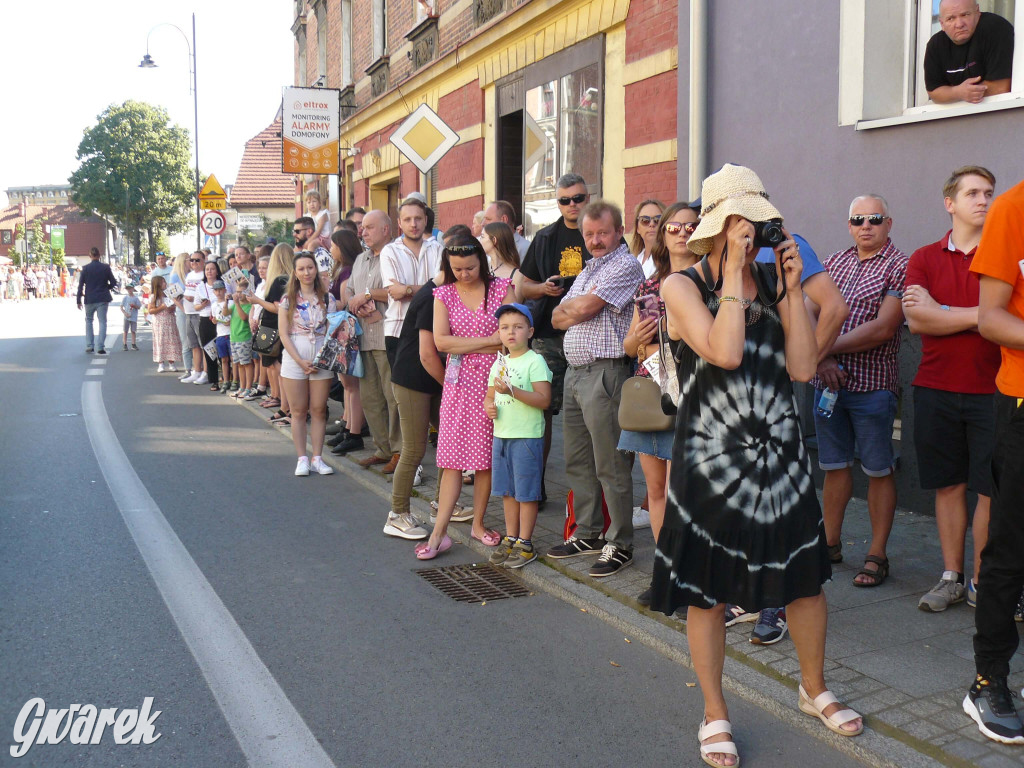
742 524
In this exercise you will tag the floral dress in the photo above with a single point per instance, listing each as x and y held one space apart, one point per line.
465 434
166 341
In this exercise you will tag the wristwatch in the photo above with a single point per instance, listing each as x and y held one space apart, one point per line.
408 290
369 295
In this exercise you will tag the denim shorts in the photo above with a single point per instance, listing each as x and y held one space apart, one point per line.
861 427
657 444
517 464
223 346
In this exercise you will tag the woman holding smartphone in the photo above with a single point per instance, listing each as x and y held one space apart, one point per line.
669 254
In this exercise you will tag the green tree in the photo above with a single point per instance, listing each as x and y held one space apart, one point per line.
279 229
38 247
15 254
134 169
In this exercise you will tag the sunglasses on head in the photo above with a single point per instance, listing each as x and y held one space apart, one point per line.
648 220
875 219
674 227
574 199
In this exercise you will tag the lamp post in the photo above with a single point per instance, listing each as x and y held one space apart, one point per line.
148 63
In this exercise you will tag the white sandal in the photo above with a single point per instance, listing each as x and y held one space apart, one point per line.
816 708
715 727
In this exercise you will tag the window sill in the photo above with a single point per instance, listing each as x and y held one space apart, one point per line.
943 111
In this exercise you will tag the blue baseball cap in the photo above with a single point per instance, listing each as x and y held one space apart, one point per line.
520 308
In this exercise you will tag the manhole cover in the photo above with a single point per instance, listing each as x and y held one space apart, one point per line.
474 583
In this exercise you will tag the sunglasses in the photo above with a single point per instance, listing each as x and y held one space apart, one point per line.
875 220
674 227
298 231
195 261
574 199
648 220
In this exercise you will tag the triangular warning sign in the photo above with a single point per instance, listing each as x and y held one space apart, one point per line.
212 190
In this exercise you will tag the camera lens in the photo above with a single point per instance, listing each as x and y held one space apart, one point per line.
768 234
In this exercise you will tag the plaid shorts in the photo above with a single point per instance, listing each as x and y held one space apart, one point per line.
241 352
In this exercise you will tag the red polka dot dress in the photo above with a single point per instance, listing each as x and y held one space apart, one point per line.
465 434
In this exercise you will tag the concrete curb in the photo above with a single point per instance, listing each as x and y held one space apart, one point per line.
880 744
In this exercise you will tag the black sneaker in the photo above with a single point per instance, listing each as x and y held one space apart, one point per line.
353 443
989 703
575 547
337 438
612 560
101 351
644 598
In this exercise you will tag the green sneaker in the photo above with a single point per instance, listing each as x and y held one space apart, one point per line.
522 554
225 388
502 552
234 386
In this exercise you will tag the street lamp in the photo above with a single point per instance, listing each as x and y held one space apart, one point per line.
148 63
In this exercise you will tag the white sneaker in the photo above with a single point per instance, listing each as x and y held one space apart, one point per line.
641 518
302 467
203 379
160 368
320 467
188 378
171 368
417 479
404 527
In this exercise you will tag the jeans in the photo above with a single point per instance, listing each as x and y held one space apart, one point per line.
1002 567
99 309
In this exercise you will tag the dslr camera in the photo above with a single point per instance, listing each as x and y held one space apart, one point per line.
768 234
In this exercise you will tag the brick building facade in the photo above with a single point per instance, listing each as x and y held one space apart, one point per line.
534 88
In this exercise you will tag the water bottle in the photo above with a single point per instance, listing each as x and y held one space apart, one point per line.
827 403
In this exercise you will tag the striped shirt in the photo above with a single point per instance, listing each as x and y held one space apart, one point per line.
399 265
864 285
613 278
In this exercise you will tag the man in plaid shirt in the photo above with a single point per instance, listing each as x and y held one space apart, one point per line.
863 369
595 315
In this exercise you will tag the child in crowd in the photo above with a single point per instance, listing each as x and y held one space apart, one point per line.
241 341
519 390
166 341
130 306
220 313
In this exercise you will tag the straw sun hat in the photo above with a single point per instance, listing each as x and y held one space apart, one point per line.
731 190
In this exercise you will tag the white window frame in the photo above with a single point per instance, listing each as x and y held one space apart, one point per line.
880 65
380 29
346 43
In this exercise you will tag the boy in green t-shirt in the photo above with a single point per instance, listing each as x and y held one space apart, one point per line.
518 392
241 341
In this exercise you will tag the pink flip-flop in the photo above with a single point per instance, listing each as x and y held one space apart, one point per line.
489 539
426 552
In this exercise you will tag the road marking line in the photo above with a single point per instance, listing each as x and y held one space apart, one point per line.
99 361
94 371
268 728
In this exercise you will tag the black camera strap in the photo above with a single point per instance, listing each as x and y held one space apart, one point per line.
760 272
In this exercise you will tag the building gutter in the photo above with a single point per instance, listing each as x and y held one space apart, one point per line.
698 122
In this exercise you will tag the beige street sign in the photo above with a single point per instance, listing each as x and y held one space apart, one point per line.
424 138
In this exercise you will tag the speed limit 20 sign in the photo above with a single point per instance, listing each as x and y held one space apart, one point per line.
213 222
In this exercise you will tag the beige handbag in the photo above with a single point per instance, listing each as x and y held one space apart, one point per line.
640 402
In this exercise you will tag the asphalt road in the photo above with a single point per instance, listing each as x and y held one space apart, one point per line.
154 543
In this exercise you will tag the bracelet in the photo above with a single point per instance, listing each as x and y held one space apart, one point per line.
742 302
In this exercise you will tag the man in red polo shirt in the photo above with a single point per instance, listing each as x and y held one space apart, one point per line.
954 421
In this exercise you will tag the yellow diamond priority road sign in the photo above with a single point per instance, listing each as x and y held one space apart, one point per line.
424 138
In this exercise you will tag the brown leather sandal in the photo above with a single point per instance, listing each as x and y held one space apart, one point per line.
835 552
877 577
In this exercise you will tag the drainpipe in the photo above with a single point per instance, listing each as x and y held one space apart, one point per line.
698 149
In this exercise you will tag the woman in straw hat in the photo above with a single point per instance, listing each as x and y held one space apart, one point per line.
742 522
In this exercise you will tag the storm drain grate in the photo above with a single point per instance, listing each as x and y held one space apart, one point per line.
474 582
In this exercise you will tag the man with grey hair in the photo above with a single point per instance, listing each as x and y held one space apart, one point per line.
856 386
502 210
595 315
552 262
971 57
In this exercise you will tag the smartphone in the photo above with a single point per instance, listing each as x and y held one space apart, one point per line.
647 306
559 281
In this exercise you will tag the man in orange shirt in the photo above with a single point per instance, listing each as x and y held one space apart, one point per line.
1000 264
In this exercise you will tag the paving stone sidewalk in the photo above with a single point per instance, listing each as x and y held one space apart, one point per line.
906 670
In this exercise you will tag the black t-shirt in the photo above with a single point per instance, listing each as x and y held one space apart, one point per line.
407 370
274 294
555 250
988 54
